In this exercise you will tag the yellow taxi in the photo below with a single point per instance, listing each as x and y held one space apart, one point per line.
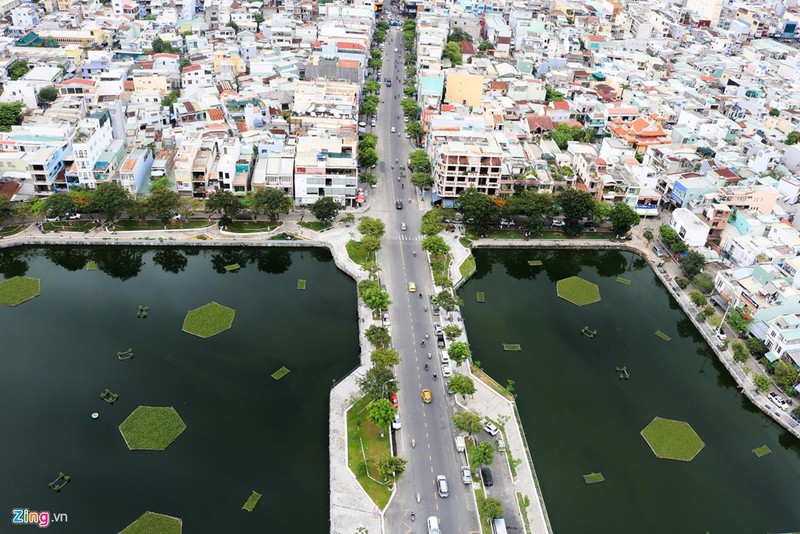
426 396
412 287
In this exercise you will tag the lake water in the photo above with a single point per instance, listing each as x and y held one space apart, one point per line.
245 431
579 417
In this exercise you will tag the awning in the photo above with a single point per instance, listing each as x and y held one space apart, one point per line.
771 356
435 197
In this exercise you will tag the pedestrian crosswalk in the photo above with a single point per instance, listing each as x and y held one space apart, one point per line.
406 237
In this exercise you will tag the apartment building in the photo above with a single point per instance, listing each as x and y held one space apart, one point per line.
91 139
325 166
464 159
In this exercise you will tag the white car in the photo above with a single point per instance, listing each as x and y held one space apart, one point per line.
386 321
74 216
558 223
396 422
437 327
445 358
395 50
490 428
52 219
446 371
779 401
466 475
393 129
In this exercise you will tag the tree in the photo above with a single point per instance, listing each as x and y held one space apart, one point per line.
452 332
648 235
485 45
233 25
162 204
577 205
469 421
6 207
435 245
482 454
698 299
419 161
184 62
372 87
459 352
160 183
452 51
258 18
774 112
378 381
370 178
325 209
458 35
10 115
414 130
111 199
371 226
490 508
785 377
58 205
740 353
381 412
692 263
368 157
432 222
477 207
378 336
448 301
392 467
756 346
371 244
551 95
463 385
271 202
533 205
169 100
157 45
385 357
738 321
564 133
376 299
18 69
623 218
762 383
421 180
410 109
368 140
47 94
704 283
792 138
225 203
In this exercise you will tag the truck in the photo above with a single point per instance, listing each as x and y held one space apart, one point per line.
460 445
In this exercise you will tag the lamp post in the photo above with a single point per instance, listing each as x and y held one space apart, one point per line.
727 311
383 386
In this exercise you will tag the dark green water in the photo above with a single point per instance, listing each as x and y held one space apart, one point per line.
245 431
579 417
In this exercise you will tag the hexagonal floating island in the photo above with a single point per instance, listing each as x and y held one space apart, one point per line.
578 291
153 523
19 289
151 428
673 440
208 320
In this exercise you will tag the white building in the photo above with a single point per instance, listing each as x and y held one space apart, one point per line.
325 167
135 170
91 139
690 228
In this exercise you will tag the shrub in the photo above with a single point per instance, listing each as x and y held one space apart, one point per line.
704 283
697 298
740 353
682 281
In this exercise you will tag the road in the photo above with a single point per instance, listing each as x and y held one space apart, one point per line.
429 425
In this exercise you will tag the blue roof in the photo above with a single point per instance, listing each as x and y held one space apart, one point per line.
432 86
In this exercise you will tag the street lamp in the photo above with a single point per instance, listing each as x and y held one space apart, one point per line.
727 311
383 386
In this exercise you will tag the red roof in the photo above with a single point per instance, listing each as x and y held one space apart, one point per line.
560 105
215 115
595 39
351 46
191 68
467 48
74 81
166 55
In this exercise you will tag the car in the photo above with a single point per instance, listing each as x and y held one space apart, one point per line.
405 119
440 341
558 223
373 123
393 130
394 400
403 227
449 389
490 428
779 401
501 445
437 327
386 321
486 475
659 251
73 216
445 358
433 525
441 486
435 309
426 396
395 50
363 124
412 287
446 371
52 219
466 474
398 204
396 423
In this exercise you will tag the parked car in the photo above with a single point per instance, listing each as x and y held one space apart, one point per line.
659 251
466 474
73 216
779 401
394 399
490 428
441 486
52 219
501 445
440 341
435 309
386 321
486 475
557 223
446 371
445 357
396 423
437 327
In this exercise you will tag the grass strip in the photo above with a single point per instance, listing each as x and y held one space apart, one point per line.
280 373
594 478
11 230
357 252
511 347
316 226
467 267
301 284
762 451
363 432
623 281
524 502
663 336
480 296
252 501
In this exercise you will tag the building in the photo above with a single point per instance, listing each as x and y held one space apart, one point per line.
691 229
463 87
91 139
325 167
135 171
464 159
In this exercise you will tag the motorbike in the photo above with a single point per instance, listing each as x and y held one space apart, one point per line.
414 253
430 356
434 377
413 443
423 343
426 366
413 516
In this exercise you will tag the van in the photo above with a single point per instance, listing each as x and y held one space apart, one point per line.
499 525
486 476
433 525
460 445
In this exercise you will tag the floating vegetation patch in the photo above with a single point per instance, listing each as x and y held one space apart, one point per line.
663 336
252 501
280 373
480 296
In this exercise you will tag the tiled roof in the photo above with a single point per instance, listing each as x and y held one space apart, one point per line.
215 115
